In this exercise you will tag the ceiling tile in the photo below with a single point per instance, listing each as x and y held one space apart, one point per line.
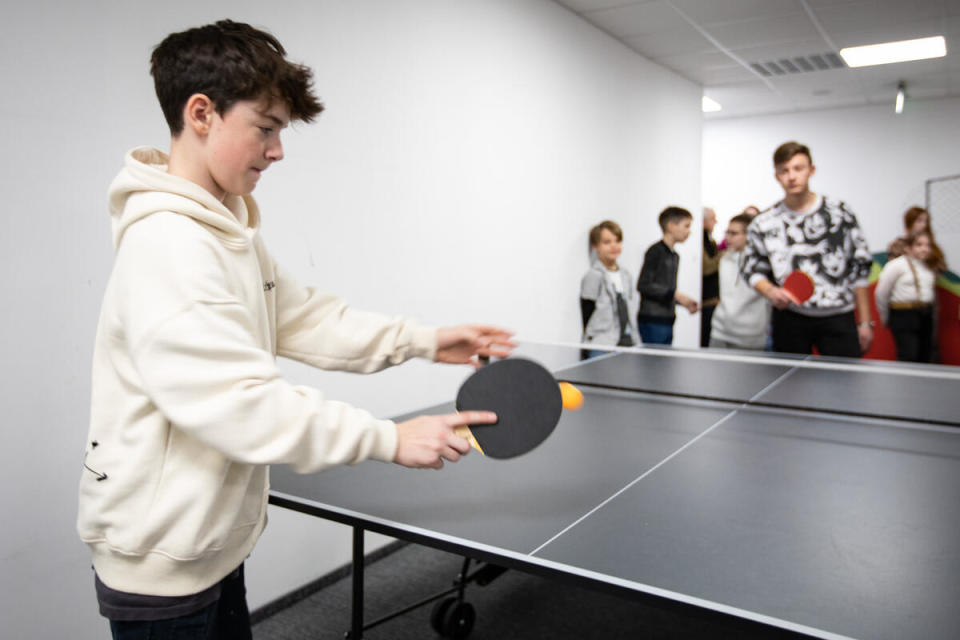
707 59
672 43
721 11
872 13
725 76
586 6
764 31
638 19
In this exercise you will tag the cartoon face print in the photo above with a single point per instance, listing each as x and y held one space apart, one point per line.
795 233
834 263
814 226
807 265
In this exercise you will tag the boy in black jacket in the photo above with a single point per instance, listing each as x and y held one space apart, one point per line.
658 280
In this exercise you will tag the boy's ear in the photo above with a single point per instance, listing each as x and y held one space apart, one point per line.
198 114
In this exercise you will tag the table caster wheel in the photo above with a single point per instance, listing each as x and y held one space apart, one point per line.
452 618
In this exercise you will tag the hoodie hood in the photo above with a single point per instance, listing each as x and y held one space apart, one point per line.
144 187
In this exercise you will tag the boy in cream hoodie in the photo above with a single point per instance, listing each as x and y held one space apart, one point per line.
188 407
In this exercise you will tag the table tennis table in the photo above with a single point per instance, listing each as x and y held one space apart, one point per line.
802 496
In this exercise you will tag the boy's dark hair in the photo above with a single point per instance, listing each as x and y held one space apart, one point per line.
228 61
673 214
743 218
789 149
610 226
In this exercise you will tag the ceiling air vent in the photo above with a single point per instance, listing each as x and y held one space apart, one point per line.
798 64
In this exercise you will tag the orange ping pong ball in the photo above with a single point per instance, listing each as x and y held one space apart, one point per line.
572 397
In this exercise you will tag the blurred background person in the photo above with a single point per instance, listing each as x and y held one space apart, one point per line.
741 318
606 291
905 298
915 220
710 287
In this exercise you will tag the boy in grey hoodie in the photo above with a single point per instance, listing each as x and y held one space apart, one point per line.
742 315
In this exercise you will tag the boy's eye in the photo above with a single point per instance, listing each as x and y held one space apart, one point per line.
266 130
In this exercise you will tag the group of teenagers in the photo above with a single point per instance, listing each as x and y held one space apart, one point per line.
743 304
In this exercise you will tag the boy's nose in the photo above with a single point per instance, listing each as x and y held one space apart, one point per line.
275 152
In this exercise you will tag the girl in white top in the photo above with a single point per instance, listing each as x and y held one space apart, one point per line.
905 296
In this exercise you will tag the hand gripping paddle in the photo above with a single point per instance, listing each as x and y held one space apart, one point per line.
800 285
526 399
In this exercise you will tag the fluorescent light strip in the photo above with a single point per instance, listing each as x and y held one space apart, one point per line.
709 105
890 52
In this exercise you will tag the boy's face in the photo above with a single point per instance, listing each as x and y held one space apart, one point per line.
794 174
679 230
609 247
736 236
243 143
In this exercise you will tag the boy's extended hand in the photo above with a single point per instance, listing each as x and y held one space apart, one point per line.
426 441
460 345
686 302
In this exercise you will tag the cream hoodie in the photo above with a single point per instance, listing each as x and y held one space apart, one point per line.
188 407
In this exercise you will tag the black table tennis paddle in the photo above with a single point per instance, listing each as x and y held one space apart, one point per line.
525 397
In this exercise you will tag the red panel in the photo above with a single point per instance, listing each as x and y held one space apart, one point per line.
949 326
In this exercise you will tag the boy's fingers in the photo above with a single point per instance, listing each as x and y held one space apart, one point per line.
459 443
470 417
790 295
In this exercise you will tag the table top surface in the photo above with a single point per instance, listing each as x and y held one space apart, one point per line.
767 488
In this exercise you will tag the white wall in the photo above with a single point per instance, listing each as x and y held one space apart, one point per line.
873 159
466 150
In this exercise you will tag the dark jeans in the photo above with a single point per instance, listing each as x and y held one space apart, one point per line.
913 332
655 333
225 619
831 335
706 319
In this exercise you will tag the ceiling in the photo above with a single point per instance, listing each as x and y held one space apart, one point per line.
726 45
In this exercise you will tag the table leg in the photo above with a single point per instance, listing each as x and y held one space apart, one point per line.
356 624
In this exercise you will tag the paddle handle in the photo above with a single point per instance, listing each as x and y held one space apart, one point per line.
464 432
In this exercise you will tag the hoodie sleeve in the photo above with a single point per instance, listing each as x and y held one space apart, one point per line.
194 352
322 330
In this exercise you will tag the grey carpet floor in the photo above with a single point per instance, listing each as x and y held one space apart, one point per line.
515 606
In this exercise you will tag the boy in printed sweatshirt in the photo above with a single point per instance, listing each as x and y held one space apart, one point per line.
821 237
188 407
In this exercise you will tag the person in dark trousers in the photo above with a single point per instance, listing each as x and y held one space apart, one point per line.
710 285
821 237
657 283
905 296
188 408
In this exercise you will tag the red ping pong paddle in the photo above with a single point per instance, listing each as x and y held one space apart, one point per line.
800 285
525 397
